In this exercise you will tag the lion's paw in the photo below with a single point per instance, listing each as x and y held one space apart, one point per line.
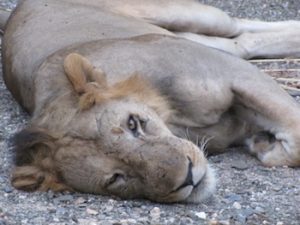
269 150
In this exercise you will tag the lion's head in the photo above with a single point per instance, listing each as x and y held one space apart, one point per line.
117 143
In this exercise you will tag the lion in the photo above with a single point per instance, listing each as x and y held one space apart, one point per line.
127 97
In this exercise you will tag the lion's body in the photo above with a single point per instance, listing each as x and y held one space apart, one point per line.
199 93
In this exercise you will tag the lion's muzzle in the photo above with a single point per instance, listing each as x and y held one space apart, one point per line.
172 168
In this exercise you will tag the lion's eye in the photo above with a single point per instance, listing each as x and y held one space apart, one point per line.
136 125
115 178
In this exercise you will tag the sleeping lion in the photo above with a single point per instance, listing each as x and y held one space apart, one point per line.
126 96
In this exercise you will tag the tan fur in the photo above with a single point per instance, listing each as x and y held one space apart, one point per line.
113 102
90 83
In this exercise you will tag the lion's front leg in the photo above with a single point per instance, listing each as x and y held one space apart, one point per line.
264 104
271 150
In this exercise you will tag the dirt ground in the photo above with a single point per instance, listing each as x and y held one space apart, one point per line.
247 193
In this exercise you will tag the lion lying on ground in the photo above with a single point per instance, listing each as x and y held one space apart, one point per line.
113 93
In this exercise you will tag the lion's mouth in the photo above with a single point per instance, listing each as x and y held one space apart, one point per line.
199 185
204 188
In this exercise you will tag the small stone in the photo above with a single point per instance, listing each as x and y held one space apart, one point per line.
239 165
213 222
55 219
137 204
52 210
279 223
233 197
8 189
201 215
128 221
63 198
87 222
91 211
240 218
74 218
237 205
276 188
247 212
155 213
224 222
22 197
61 211
79 201
259 209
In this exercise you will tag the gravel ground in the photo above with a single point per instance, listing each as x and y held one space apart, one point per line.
247 192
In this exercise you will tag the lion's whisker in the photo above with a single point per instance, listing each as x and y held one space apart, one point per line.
203 144
187 134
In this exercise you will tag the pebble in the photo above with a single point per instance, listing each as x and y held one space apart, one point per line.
79 201
8 189
277 188
87 222
91 211
237 205
201 215
22 196
52 210
213 222
247 212
223 222
61 210
128 221
259 209
239 165
63 198
155 213
233 197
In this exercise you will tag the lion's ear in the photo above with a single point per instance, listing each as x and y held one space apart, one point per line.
87 81
35 169
81 72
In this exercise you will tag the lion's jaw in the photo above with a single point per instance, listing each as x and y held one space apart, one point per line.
111 159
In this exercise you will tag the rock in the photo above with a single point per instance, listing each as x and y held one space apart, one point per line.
240 218
201 215
61 211
74 218
128 221
213 222
247 212
239 165
52 210
233 197
259 210
63 198
224 222
91 211
155 213
87 222
277 188
279 223
79 201
237 205
8 189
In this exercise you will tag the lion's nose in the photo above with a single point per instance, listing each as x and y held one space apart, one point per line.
189 177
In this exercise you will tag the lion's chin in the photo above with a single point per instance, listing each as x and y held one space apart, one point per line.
205 189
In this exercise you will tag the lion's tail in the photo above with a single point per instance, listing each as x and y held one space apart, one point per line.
4 15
